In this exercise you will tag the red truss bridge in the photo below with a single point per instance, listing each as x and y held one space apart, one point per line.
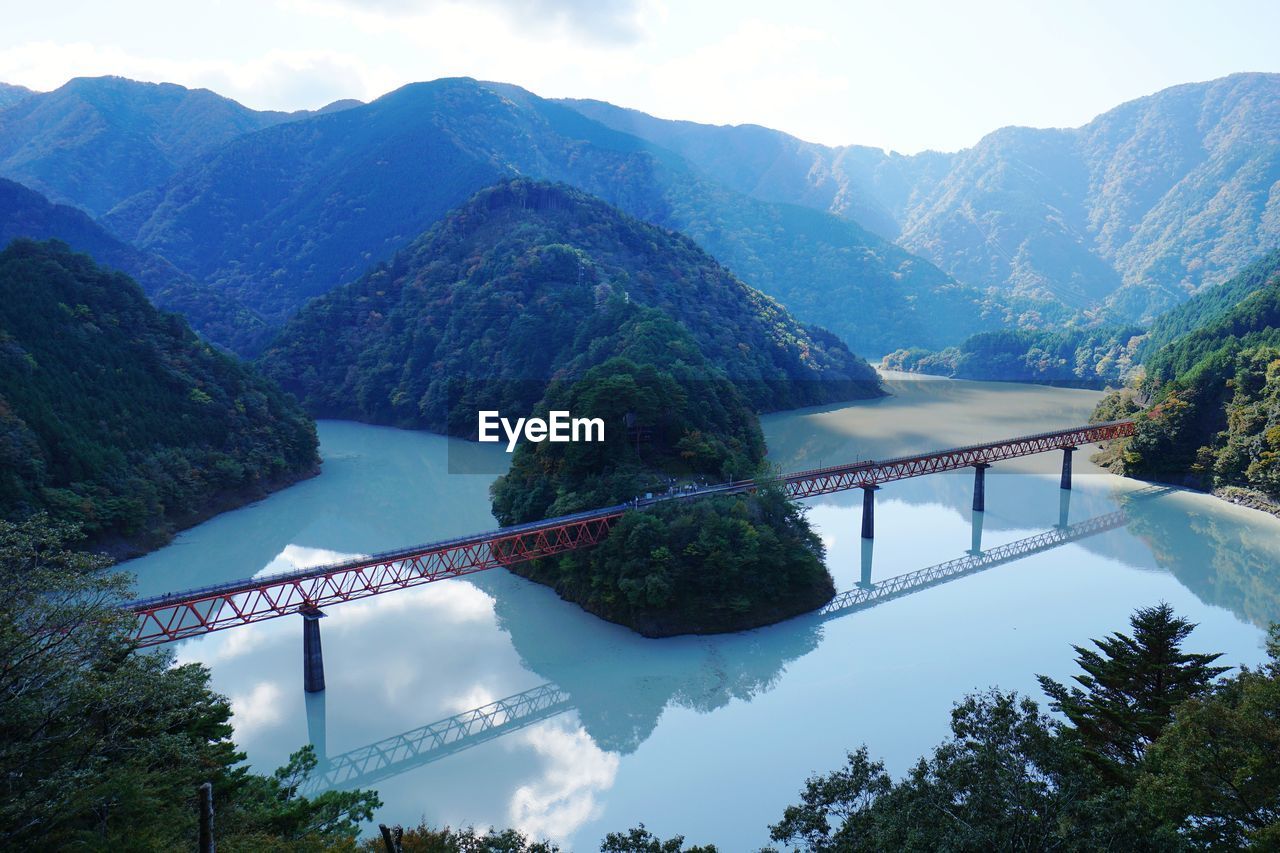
176 616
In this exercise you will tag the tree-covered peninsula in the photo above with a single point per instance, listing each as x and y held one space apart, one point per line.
116 417
694 565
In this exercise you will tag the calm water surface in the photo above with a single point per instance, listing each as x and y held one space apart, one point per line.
710 737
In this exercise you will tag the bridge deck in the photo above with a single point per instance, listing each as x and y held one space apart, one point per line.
175 616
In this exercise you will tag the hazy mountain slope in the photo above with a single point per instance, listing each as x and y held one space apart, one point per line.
26 213
529 281
859 183
116 416
1108 353
292 211
1130 213
1169 193
96 141
1011 213
984 240
10 94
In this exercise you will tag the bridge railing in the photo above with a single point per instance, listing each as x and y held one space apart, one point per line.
840 477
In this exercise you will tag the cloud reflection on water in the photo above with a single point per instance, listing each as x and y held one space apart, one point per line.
574 771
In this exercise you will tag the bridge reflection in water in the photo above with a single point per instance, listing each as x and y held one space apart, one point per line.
868 595
397 754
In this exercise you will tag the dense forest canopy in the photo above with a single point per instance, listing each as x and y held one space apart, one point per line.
1211 303
672 418
1210 401
1087 357
116 416
102 748
214 313
521 285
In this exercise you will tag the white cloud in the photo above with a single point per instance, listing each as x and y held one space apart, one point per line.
295 557
611 21
476 696
565 797
257 709
450 602
757 63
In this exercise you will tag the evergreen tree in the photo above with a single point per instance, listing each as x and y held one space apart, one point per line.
102 747
1131 687
1215 771
640 840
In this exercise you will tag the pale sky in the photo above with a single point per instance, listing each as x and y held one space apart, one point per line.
905 75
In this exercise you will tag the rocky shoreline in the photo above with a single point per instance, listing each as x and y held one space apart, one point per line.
1247 498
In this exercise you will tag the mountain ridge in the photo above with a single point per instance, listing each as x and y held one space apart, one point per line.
1120 218
115 416
11 94
291 211
95 141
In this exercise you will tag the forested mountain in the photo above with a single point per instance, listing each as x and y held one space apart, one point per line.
117 417
859 183
1203 308
10 95
529 281
1171 192
1132 212
1116 220
26 213
94 142
292 211
1209 406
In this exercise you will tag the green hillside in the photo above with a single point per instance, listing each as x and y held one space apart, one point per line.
522 284
26 213
1085 357
725 563
1210 403
1211 304
115 416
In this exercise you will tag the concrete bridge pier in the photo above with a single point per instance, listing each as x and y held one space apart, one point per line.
980 487
975 544
312 654
1066 467
869 511
868 546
